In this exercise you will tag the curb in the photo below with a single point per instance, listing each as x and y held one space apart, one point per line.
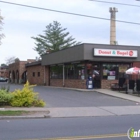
24 117
37 115
75 89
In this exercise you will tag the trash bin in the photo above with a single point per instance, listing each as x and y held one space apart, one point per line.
89 83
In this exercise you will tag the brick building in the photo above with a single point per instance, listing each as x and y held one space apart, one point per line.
72 66
37 74
17 71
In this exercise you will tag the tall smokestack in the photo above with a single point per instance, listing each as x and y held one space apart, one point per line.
113 25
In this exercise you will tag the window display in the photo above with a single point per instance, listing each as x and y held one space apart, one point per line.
72 71
114 71
110 71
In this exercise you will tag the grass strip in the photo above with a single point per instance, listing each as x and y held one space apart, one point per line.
13 112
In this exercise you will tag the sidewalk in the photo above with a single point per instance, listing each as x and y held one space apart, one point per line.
100 111
94 111
122 95
83 111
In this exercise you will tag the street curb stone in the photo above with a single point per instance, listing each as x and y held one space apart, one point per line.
24 117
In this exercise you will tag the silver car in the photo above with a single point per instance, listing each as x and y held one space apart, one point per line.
3 79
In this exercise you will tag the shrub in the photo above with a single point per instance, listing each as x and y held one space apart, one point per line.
26 97
38 103
5 97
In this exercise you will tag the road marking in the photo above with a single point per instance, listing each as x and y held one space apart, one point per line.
84 137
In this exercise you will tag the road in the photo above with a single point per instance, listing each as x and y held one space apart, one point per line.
73 128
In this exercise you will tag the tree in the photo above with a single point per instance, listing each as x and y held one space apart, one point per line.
11 60
1 23
55 38
3 65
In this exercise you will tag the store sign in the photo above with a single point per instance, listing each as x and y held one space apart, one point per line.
115 53
111 78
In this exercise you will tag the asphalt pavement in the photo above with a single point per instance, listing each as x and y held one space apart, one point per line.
66 102
82 128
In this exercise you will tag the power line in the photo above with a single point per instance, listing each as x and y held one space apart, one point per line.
125 4
63 12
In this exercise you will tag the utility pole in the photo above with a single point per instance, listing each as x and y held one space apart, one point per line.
113 25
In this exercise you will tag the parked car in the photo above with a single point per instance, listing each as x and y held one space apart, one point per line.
3 79
6 79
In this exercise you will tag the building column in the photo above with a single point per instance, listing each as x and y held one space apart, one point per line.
47 75
63 75
20 79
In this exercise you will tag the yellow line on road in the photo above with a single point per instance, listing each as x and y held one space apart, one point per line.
84 137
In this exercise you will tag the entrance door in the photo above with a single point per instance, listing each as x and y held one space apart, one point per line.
94 70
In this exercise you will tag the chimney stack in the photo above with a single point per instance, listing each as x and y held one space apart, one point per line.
113 25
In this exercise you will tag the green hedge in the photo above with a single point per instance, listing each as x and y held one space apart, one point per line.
26 97
5 97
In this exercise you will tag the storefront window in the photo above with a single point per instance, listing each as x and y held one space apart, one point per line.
81 71
114 71
93 69
69 71
122 69
75 71
72 71
56 72
110 71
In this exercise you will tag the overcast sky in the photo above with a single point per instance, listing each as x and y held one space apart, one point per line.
21 23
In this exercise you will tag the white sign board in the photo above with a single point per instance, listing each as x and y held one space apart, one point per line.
111 78
115 53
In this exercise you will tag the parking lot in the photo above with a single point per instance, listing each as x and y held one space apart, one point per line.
60 97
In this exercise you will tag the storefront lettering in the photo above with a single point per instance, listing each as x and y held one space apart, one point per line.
104 52
115 53
122 53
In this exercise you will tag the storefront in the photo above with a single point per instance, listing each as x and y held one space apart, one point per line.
72 66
